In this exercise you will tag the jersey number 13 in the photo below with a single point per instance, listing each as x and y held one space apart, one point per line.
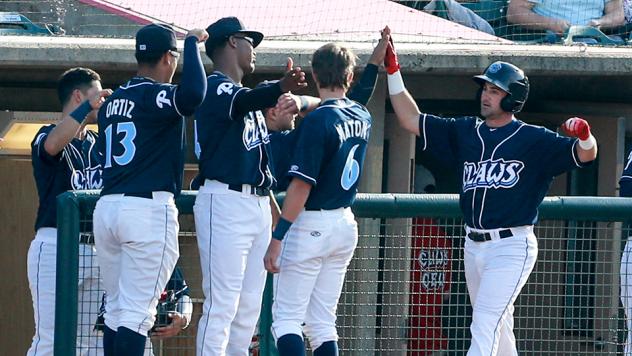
128 129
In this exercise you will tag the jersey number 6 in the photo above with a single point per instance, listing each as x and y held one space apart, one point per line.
351 171
129 149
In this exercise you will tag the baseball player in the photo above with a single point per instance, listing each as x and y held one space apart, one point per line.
280 119
625 190
175 309
507 167
317 223
64 158
141 135
232 209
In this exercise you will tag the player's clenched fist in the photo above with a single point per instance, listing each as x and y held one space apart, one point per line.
294 78
201 34
95 104
99 98
272 256
577 127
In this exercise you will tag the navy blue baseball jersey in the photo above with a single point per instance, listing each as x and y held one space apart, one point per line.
330 149
77 166
625 183
282 147
282 144
231 146
506 171
141 134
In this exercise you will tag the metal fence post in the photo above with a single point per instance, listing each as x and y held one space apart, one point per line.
266 340
67 274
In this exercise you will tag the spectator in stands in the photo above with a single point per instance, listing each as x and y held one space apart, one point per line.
558 15
627 11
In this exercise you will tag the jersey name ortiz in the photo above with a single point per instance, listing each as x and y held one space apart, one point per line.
506 171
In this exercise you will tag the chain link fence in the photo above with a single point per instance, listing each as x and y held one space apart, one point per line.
405 291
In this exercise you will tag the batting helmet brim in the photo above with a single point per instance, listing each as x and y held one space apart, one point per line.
482 79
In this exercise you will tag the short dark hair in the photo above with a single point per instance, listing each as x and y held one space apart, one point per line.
148 59
332 64
75 78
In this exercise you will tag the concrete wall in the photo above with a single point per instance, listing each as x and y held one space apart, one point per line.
595 83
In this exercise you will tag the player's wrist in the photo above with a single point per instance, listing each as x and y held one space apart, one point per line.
588 143
281 229
80 113
395 83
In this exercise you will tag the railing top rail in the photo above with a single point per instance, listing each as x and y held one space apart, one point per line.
370 205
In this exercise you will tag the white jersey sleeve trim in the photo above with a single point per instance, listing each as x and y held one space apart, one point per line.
175 103
230 111
308 178
423 128
574 154
626 177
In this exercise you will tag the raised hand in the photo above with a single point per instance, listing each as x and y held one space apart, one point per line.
390 60
294 78
201 34
577 127
379 52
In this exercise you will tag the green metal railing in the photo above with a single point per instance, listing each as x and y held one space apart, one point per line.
76 207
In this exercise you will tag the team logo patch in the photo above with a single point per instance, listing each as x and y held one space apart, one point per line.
294 167
495 67
225 88
254 129
161 98
315 233
90 178
491 174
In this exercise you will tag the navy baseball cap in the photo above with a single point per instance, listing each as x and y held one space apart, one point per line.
225 27
155 39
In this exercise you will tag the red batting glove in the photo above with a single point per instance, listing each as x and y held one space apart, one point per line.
390 60
577 127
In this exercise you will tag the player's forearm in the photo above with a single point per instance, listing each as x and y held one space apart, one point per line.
274 209
363 89
66 130
587 155
526 18
406 111
192 88
256 99
297 194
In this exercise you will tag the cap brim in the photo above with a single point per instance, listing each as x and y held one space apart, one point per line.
257 37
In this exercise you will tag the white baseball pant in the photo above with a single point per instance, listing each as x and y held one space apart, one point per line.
316 252
233 233
41 270
626 293
495 272
137 249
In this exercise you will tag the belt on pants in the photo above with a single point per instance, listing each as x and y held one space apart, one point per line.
147 195
258 191
320 209
486 236
86 239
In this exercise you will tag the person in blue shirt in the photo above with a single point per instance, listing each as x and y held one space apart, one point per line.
507 167
233 214
317 223
64 158
280 121
141 137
